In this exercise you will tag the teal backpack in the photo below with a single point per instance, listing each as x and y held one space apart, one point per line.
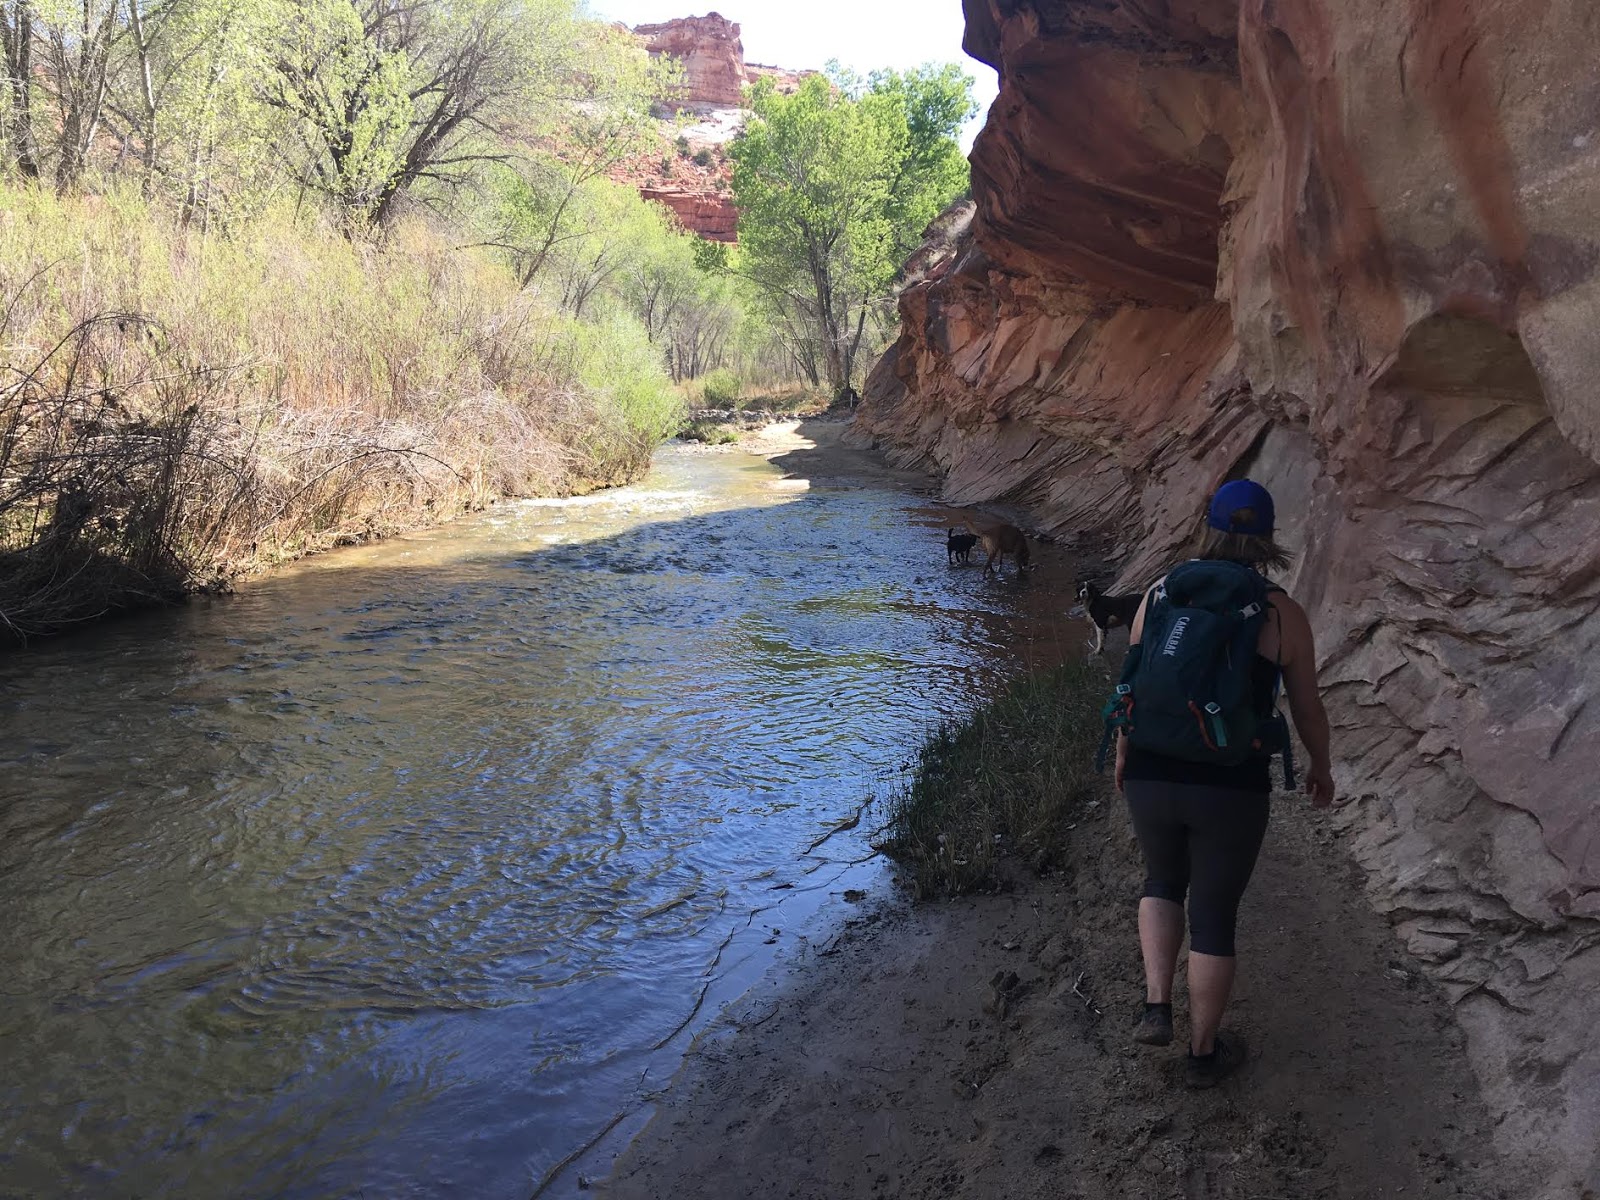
1185 690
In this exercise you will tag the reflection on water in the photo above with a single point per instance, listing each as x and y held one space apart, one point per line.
390 874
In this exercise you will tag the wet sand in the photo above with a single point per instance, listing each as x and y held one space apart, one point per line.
814 448
980 1048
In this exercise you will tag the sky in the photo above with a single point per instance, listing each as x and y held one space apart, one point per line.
861 34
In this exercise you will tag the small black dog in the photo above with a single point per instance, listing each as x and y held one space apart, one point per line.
958 546
1107 612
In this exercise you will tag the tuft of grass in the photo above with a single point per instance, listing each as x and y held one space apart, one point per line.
1007 781
712 433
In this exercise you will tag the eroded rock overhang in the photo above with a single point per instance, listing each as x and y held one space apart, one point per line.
1349 249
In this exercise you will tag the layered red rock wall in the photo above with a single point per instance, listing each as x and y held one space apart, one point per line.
710 214
711 53
1351 250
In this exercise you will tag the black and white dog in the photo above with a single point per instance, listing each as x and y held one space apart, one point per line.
958 546
1106 612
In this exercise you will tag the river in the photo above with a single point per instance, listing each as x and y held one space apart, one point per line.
408 869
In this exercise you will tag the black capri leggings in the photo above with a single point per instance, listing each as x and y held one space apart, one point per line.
1203 842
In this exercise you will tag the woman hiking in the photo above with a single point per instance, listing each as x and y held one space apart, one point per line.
1196 726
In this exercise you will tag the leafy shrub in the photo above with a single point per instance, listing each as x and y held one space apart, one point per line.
722 389
712 433
702 157
635 404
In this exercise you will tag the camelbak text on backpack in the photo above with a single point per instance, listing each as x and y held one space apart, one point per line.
1171 648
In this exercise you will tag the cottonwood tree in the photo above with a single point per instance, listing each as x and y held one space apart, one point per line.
162 79
391 94
628 254
186 102
170 62
685 300
835 185
542 198
60 52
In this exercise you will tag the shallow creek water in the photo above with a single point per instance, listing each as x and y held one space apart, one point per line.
407 870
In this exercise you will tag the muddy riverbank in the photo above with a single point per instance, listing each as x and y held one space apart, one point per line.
891 1063
980 1048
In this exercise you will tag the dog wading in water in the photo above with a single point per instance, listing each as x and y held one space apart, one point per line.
958 546
1195 724
999 541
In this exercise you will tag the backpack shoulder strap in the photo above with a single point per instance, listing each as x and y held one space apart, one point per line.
1218 585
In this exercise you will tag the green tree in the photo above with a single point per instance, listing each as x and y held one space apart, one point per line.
935 101
391 96
835 184
688 302
543 197
186 101
65 49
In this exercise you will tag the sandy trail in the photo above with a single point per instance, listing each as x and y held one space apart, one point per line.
890 1065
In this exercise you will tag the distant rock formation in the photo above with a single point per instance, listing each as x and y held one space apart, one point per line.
711 53
1351 250
715 76
787 82
709 214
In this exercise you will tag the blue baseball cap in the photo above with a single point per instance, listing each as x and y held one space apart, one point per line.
1242 506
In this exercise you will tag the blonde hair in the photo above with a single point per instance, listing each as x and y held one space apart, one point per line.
1253 550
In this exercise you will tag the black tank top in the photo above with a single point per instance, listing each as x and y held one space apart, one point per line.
1252 775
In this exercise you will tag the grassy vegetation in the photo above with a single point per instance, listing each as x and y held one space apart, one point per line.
179 409
721 389
711 432
1007 781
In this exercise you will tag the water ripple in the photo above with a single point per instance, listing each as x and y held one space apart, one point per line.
425 845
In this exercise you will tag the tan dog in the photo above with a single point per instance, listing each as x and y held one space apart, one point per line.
998 541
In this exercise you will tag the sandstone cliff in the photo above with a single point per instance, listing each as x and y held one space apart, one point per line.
693 180
711 54
708 212
695 183
1350 250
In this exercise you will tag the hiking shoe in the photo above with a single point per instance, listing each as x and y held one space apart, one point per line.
1227 1055
1154 1027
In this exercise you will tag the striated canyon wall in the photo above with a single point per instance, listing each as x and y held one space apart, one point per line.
706 211
1350 249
